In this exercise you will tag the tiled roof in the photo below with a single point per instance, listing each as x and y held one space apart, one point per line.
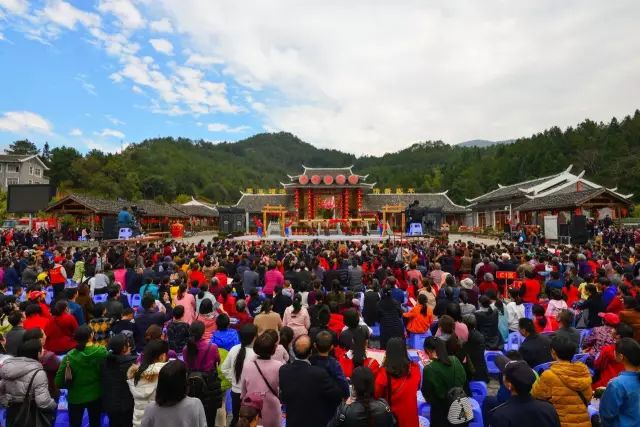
375 202
255 202
154 209
327 171
197 211
14 157
95 204
512 190
112 207
567 200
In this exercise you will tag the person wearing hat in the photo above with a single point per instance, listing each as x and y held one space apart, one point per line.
472 291
521 409
601 336
38 297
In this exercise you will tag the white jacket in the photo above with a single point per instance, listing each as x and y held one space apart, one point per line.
145 391
514 313
228 366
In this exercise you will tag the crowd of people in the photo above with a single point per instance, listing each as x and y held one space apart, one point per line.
348 333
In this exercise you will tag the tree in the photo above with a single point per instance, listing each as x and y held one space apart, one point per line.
60 164
46 152
23 146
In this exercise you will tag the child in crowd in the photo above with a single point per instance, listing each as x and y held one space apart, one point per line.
177 330
606 363
541 322
556 304
288 290
224 337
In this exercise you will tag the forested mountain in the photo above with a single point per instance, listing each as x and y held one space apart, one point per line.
164 168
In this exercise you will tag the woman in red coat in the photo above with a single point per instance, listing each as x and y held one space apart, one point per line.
60 329
398 382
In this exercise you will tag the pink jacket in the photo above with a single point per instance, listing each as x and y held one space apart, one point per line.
188 301
252 382
299 322
272 278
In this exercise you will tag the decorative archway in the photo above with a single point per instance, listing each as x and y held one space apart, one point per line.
394 209
279 210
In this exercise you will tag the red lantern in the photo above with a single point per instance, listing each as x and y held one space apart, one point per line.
359 199
315 179
309 205
303 179
341 179
296 199
328 179
345 203
353 179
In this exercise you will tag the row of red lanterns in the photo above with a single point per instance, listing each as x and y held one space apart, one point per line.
328 179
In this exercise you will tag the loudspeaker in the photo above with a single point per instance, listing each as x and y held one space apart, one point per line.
563 229
578 230
110 227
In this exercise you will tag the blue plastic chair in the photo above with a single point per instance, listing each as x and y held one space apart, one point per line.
542 367
424 409
416 341
592 411
490 359
477 415
479 391
514 341
101 298
582 357
375 330
528 310
127 296
423 422
135 300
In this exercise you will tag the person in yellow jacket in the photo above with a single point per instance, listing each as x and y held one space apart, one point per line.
566 385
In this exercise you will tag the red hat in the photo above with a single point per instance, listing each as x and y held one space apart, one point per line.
610 318
35 295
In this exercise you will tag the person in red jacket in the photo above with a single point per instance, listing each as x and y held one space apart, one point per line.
488 284
531 288
197 275
34 319
39 298
606 363
60 329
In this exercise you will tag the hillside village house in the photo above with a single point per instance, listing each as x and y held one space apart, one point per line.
21 169
560 194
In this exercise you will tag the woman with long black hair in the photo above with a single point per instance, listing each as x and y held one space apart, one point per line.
200 355
297 318
441 375
233 364
398 382
390 316
143 379
363 410
117 400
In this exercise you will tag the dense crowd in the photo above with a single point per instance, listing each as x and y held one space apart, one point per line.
352 333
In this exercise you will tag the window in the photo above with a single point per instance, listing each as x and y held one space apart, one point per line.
38 172
13 181
13 168
30 170
30 181
0 167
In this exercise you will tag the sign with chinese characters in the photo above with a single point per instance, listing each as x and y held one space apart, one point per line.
249 191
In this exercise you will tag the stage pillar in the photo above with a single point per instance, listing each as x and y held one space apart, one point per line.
264 222
402 230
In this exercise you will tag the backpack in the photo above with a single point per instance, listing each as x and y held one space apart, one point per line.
460 409
205 386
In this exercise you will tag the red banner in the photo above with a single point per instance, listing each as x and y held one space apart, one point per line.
506 275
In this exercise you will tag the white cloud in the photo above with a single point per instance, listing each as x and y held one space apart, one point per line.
105 147
86 85
21 122
18 7
161 26
65 15
221 127
1 36
75 132
111 133
136 89
196 59
375 76
114 120
128 15
162 46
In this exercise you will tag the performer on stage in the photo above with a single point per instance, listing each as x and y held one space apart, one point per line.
287 228
259 226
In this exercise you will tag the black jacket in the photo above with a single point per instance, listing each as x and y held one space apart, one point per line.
370 307
116 396
475 348
487 324
356 415
536 350
524 411
146 319
310 394
390 315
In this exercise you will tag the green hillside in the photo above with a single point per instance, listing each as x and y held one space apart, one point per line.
167 167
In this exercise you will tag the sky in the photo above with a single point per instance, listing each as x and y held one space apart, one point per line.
362 76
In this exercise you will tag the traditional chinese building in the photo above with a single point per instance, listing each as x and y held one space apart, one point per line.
325 197
561 194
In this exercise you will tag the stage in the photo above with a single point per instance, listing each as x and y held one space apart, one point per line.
331 238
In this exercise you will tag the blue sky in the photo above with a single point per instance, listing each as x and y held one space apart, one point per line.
361 76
